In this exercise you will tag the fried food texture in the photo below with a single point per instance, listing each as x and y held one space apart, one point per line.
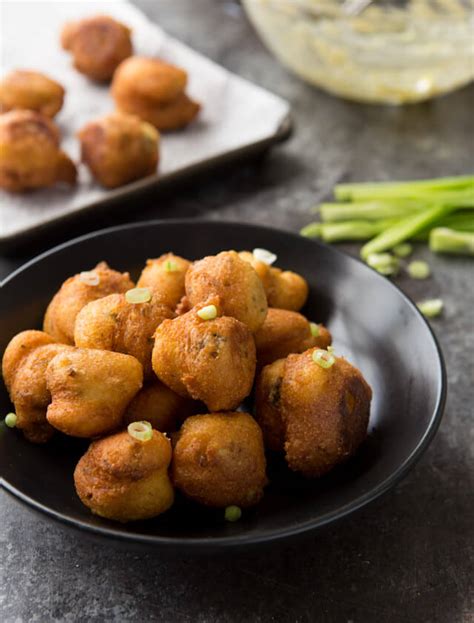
268 405
113 323
208 360
90 390
284 288
30 155
75 293
165 275
324 410
119 148
98 45
285 332
161 406
155 91
24 371
234 282
219 460
30 90
126 479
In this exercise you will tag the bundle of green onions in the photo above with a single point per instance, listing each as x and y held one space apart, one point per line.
387 214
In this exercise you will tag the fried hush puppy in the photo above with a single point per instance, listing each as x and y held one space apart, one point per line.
90 390
24 371
212 360
162 407
114 323
30 155
125 478
153 90
98 45
219 460
284 288
30 90
75 293
234 281
119 149
165 275
285 332
323 402
268 405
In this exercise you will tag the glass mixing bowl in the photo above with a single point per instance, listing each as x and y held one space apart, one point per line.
393 51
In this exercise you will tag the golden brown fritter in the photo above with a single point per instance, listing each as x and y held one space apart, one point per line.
30 155
165 275
162 407
30 90
113 323
268 405
75 293
208 360
154 90
98 45
285 332
119 149
318 415
284 288
234 281
24 371
219 460
325 412
90 390
125 479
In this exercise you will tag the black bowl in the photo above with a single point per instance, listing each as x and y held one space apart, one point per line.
373 323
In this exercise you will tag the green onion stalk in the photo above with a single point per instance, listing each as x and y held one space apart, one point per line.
415 188
445 240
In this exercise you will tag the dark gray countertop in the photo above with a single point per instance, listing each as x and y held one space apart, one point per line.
408 557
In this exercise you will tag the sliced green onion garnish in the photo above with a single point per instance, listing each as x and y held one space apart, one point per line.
232 513
208 313
431 307
323 358
384 263
171 267
330 349
138 295
89 277
140 430
262 255
419 269
403 250
10 420
314 328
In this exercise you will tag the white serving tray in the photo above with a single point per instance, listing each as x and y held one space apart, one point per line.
237 117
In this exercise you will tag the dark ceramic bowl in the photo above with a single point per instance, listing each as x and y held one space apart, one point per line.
376 326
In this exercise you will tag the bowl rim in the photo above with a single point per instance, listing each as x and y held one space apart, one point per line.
234 541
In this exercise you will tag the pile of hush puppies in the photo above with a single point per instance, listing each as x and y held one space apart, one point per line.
119 148
155 374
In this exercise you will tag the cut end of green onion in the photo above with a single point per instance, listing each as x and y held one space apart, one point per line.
171 267
10 420
313 230
330 349
89 277
323 358
314 328
138 295
383 263
208 313
431 307
403 250
262 255
140 430
419 270
232 513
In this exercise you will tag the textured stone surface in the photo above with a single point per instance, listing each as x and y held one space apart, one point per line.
407 557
